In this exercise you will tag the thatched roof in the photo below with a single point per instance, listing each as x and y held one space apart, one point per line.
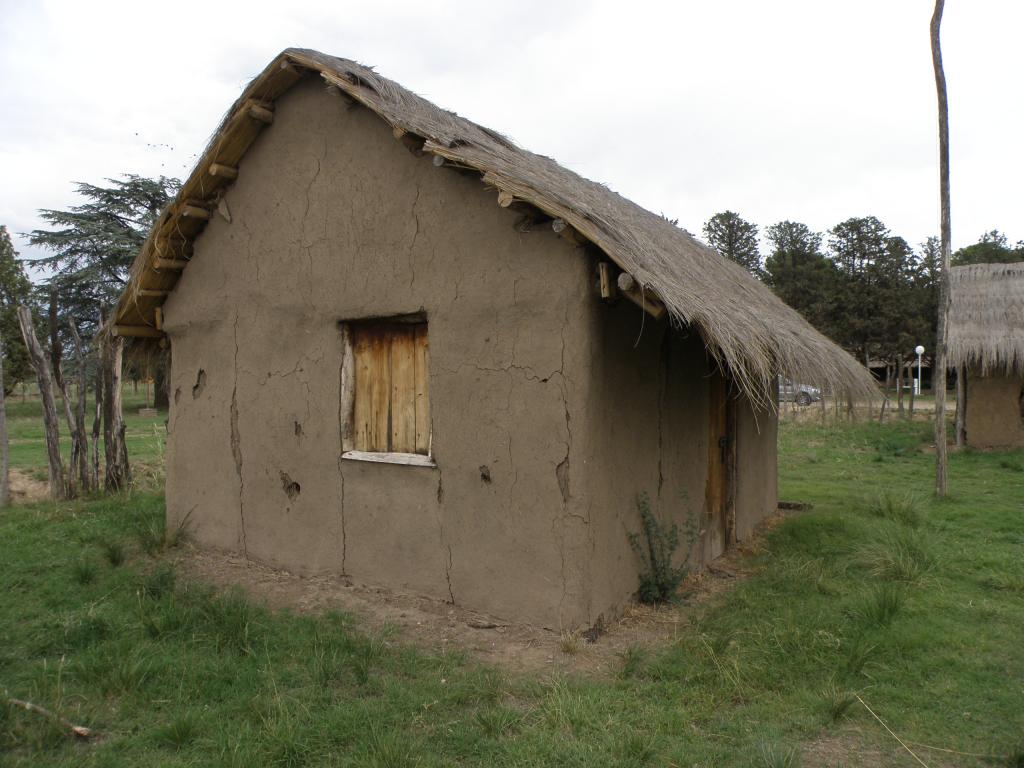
744 325
986 317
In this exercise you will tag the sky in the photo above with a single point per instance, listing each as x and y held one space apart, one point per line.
808 110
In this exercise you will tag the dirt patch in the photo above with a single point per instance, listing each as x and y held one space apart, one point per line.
26 489
438 625
854 745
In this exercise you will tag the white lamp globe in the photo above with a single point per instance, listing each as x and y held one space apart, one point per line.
919 349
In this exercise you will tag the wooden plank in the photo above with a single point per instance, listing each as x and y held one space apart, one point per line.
642 297
422 355
138 331
608 285
158 318
261 113
177 264
348 390
390 457
194 212
363 370
715 489
223 171
403 390
150 293
380 392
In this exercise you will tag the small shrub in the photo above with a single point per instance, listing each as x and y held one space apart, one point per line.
570 643
772 755
837 702
659 579
84 571
150 535
633 659
858 654
498 721
179 733
900 508
905 557
880 606
159 583
113 551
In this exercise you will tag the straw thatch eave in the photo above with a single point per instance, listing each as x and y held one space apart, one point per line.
986 317
744 325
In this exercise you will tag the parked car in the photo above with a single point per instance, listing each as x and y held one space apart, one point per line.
801 394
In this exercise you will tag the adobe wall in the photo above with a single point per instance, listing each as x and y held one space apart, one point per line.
994 411
550 410
333 219
647 433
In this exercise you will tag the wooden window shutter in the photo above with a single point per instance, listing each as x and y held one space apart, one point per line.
391 412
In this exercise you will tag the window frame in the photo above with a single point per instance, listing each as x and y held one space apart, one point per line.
348 395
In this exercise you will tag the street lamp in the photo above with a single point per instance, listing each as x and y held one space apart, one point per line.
917 385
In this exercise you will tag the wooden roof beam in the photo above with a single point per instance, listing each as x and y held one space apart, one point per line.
175 264
228 172
645 298
138 331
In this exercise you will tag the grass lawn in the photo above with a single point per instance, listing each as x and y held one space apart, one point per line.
878 591
143 434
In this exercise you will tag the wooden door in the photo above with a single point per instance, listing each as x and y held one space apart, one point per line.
720 523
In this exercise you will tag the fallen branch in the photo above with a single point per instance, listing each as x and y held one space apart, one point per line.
902 743
78 730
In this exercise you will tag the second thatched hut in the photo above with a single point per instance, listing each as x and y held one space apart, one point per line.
986 346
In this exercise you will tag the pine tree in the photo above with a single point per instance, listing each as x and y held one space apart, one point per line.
735 239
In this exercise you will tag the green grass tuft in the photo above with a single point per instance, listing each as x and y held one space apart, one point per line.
903 508
905 556
879 607
114 552
84 571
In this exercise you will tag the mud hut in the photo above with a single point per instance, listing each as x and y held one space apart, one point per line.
407 350
986 346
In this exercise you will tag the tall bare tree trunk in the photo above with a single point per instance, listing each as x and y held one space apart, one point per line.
84 475
939 365
97 421
69 478
961 406
55 346
113 420
51 425
5 477
899 387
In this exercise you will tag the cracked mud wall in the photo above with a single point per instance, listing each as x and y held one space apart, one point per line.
648 416
757 470
334 220
995 411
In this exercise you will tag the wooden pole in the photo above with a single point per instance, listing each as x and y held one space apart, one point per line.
51 425
84 475
939 369
113 420
961 406
5 478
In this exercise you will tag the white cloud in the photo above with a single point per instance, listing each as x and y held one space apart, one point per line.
797 109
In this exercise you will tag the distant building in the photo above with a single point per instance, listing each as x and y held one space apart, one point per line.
986 341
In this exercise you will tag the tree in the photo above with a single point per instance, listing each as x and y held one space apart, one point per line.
860 248
939 372
58 486
799 273
92 248
15 289
735 239
991 248
93 244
